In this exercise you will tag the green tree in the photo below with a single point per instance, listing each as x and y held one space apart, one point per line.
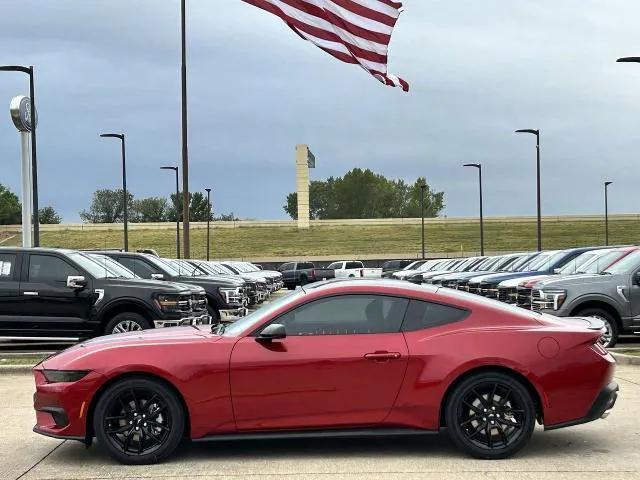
151 209
10 208
365 194
198 207
48 216
106 207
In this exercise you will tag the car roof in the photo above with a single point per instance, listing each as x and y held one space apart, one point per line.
38 250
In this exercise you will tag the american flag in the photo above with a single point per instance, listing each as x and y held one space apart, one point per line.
354 31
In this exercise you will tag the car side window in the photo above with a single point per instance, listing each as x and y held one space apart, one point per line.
137 266
421 315
352 265
346 315
7 266
49 269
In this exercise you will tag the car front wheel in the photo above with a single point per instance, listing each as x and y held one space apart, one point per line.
490 415
139 421
126 322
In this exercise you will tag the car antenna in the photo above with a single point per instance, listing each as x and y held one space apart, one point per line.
302 287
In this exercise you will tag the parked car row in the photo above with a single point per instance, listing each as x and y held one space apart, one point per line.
601 282
300 273
67 295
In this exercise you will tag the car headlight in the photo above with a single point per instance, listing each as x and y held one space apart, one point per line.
231 295
64 376
172 303
555 298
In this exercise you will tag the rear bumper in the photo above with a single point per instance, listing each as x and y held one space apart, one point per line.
602 406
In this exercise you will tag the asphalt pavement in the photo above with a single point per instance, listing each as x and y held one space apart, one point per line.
605 448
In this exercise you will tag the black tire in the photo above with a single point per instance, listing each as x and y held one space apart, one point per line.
506 402
610 338
215 314
126 322
120 430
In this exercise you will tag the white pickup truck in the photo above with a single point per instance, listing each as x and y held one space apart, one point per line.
348 269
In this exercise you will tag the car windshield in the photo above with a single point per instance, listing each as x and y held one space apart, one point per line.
209 268
415 265
164 265
625 266
545 261
600 262
251 320
240 267
94 268
335 266
503 265
574 265
523 263
117 268
187 268
484 265
219 268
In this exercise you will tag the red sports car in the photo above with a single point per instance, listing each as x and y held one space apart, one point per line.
344 358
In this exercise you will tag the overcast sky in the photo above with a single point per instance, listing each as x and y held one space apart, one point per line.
478 71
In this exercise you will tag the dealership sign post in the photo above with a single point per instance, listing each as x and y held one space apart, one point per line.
20 108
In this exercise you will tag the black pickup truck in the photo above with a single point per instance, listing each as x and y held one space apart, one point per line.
227 297
64 295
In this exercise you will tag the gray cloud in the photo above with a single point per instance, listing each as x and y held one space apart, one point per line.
478 70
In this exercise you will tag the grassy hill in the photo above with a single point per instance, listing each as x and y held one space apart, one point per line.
352 240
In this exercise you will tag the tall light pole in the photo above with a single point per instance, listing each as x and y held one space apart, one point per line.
479 167
175 169
208 190
34 150
125 198
423 187
629 60
606 212
537 134
185 149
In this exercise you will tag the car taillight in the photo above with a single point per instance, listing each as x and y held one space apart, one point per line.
598 348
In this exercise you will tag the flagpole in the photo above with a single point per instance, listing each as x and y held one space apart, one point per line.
185 151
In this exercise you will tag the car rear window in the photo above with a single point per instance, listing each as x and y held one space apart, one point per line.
421 315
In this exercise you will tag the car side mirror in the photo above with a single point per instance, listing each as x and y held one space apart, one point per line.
157 276
76 282
275 331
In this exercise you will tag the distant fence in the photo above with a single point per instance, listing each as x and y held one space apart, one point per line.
324 223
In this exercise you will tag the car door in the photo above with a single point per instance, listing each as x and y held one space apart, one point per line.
341 364
9 293
49 308
635 297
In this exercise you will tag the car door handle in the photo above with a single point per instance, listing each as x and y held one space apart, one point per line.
30 294
382 356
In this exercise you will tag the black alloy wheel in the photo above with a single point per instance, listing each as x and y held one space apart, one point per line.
490 416
139 421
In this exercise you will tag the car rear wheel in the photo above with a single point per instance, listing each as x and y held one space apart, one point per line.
490 416
610 336
139 421
126 322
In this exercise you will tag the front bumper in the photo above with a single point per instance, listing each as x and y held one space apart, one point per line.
195 320
232 314
602 406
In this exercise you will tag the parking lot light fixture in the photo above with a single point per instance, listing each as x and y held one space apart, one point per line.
606 212
175 169
422 189
34 151
629 60
208 190
479 167
537 134
125 199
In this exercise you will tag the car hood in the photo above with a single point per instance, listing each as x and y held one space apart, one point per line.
514 282
460 275
159 286
258 275
501 277
75 356
586 279
216 280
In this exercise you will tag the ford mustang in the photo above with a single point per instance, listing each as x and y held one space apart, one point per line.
342 358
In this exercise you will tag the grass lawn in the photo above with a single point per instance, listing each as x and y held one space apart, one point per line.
29 360
262 242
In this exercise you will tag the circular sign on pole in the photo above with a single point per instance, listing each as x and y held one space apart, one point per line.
20 108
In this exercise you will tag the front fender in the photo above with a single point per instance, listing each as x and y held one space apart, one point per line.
577 302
